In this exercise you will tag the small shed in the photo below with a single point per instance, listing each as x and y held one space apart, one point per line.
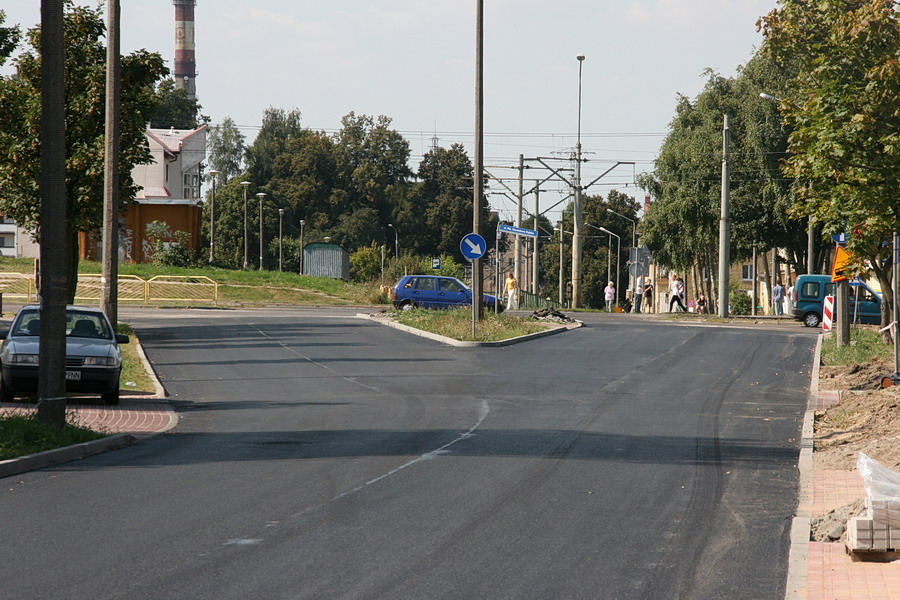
326 260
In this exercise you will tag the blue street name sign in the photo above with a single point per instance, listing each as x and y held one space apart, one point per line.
518 230
840 238
472 246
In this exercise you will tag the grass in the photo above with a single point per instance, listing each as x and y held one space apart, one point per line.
457 324
134 376
21 435
865 346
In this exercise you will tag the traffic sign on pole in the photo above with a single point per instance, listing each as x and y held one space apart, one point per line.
517 230
472 246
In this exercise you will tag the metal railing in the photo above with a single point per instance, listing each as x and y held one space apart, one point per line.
529 301
168 288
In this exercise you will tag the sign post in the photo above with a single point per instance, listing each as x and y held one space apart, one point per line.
473 247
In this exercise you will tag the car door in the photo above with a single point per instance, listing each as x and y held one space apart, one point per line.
865 305
451 293
424 292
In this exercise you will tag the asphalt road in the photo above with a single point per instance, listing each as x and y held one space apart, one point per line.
323 456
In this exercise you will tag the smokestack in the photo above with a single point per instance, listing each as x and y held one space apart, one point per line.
185 67
646 204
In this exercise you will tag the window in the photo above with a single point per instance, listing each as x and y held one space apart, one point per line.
448 285
7 241
810 289
747 272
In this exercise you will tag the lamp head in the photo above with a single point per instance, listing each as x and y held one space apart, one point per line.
261 195
245 183
580 57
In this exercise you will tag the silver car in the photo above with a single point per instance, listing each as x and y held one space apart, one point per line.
93 358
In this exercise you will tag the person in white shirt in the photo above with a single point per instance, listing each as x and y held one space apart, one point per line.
676 290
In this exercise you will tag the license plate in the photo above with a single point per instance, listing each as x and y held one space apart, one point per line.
73 375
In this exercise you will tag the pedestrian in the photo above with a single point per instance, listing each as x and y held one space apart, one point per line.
676 290
789 299
512 288
609 294
638 293
648 295
701 305
778 298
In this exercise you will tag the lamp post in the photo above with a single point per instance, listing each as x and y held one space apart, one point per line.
633 245
618 253
302 223
396 240
246 184
576 226
562 296
281 239
212 219
260 195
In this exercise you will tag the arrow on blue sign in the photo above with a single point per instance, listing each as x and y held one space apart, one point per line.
472 246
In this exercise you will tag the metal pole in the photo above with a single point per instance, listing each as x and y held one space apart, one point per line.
811 247
517 251
260 195
753 275
562 291
302 222
281 239
212 219
536 262
896 316
246 184
497 273
618 266
725 222
576 226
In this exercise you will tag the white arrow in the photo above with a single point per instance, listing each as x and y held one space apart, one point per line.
474 248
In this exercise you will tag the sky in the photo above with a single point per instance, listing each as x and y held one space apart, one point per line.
414 61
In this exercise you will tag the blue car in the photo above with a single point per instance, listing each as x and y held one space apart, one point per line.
436 291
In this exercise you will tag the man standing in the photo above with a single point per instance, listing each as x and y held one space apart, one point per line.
676 291
778 298
638 293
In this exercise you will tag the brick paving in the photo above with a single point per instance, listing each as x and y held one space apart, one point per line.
135 414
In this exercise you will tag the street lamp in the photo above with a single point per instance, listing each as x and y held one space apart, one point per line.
246 184
260 195
302 223
212 219
608 252
633 245
396 240
576 226
618 253
280 239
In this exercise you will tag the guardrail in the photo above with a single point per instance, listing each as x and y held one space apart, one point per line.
529 301
131 288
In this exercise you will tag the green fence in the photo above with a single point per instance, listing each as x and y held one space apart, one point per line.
529 301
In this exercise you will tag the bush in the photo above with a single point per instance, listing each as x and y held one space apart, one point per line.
170 249
740 303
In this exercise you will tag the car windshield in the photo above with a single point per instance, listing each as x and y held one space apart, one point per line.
81 324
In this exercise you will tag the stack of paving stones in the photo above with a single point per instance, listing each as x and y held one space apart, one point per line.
872 532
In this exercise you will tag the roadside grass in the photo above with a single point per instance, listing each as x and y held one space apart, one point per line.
865 346
21 435
134 377
457 324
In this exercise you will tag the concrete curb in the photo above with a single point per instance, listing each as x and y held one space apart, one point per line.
554 329
798 558
160 391
39 460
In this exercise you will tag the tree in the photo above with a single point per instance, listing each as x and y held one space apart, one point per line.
176 108
844 108
9 39
85 105
225 149
278 128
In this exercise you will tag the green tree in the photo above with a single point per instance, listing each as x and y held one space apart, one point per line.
843 106
278 128
225 149
176 108
85 104
9 39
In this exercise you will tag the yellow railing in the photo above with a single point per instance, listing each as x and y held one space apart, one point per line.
171 288
183 288
131 288
17 285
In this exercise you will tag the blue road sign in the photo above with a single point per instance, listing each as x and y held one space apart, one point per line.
472 246
518 230
840 238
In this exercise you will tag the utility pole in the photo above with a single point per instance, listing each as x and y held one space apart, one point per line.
109 282
725 221
245 185
562 291
477 304
517 255
576 226
535 256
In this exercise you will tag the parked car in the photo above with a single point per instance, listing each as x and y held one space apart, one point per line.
436 291
93 358
809 299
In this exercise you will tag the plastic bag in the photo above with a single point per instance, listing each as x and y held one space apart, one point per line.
883 489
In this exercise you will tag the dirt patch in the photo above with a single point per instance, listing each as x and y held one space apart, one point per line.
867 419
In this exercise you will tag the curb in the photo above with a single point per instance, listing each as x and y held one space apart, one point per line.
798 557
39 460
466 344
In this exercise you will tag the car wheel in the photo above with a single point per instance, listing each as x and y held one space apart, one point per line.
811 319
111 398
407 306
6 393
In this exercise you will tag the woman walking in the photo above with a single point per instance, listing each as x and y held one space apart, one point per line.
609 294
